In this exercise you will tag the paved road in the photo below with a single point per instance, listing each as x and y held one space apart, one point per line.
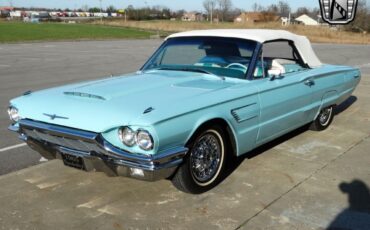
35 66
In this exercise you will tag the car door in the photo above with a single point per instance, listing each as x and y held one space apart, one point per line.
285 97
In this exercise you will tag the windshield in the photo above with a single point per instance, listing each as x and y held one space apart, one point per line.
226 57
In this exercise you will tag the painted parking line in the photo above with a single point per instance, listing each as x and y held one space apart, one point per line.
43 159
365 65
12 147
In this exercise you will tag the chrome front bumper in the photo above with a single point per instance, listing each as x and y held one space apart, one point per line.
53 141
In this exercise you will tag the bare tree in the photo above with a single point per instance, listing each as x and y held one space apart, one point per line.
315 12
235 12
257 7
224 7
273 8
85 8
284 8
361 22
303 10
209 6
261 8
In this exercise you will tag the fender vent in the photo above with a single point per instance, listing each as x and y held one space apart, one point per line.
246 113
27 93
148 110
235 115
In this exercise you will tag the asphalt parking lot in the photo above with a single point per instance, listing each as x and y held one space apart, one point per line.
305 180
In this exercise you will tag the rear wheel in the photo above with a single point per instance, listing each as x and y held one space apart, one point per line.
204 164
324 119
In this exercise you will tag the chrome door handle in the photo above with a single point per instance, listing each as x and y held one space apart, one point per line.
309 82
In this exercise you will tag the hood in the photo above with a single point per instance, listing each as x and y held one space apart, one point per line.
135 99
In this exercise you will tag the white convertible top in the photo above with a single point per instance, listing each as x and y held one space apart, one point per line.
302 44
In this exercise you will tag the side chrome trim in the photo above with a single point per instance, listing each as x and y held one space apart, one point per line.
57 130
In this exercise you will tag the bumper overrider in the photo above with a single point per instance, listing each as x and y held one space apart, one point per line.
89 151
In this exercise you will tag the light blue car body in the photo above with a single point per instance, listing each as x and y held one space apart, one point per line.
255 111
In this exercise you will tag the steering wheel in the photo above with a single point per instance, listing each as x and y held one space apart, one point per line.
237 66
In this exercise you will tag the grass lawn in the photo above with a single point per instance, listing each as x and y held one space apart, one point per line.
18 31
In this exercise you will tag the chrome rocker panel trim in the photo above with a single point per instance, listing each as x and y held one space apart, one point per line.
51 141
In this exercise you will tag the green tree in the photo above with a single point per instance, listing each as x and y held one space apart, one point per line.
111 9
94 10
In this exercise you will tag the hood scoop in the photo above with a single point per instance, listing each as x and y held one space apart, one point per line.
86 95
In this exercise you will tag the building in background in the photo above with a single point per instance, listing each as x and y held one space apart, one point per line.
193 17
306 20
5 11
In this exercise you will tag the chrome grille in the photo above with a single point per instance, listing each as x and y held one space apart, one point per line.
62 141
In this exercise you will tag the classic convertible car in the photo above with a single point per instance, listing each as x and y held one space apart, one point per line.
202 97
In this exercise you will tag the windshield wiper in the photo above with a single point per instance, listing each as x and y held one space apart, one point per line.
196 70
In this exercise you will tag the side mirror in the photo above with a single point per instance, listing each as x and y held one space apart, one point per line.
274 73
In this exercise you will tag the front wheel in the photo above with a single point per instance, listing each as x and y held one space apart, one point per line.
323 120
204 164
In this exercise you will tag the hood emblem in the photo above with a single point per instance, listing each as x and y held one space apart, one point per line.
54 116
148 110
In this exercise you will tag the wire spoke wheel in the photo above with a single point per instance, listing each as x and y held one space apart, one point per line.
205 158
325 116
324 119
205 163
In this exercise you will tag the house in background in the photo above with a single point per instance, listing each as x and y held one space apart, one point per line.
306 20
5 11
193 17
256 17
286 19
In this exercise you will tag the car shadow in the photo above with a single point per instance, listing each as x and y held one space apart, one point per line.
235 162
357 215
345 105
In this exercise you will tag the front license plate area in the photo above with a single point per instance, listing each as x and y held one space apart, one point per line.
73 161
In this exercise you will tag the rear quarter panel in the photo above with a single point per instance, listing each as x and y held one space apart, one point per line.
333 85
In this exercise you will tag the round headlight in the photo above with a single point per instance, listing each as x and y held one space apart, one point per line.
144 140
127 136
13 114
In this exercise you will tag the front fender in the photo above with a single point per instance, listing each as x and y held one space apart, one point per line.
177 131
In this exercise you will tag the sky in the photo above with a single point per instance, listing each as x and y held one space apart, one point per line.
173 4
